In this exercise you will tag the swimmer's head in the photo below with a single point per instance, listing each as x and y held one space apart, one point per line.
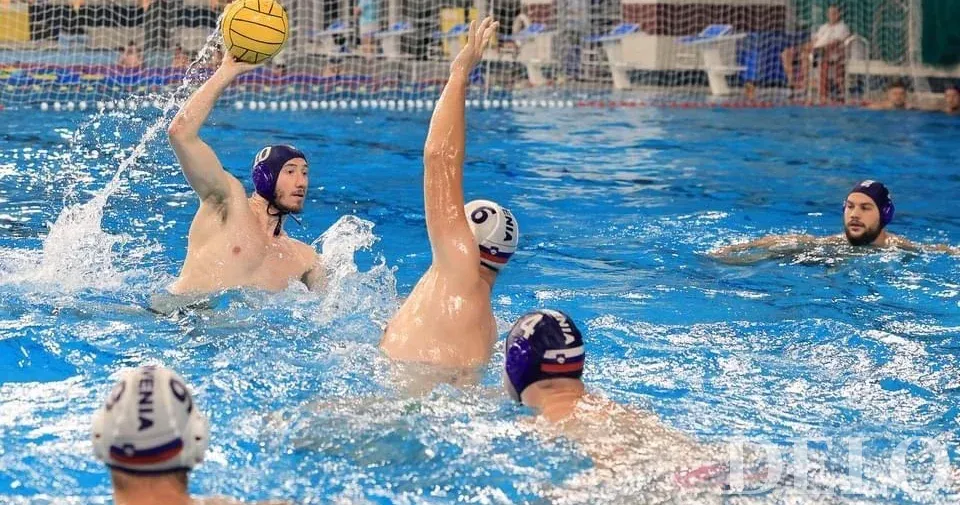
952 97
496 231
867 210
280 176
543 344
897 94
149 424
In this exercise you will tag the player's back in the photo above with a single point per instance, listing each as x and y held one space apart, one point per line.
445 321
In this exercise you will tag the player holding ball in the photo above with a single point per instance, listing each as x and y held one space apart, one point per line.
238 240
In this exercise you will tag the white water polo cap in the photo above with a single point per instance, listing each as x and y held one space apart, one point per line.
149 424
496 231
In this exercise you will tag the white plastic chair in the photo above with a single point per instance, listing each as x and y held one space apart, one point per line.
717 45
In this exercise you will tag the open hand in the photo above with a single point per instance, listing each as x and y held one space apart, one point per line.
477 42
235 67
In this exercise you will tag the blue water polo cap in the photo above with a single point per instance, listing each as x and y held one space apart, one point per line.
880 196
543 344
267 165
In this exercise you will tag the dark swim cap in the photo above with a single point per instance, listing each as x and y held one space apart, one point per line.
267 166
880 196
543 344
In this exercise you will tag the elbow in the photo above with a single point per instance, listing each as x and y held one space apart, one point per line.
432 155
177 131
438 153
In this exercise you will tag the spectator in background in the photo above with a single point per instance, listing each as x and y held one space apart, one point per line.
896 98
331 68
130 57
951 98
368 21
180 58
828 40
574 27
520 22
277 70
750 91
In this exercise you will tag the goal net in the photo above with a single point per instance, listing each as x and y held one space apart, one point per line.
396 53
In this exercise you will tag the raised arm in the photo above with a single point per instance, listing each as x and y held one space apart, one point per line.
443 156
198 161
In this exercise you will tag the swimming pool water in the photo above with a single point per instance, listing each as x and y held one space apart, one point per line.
617 210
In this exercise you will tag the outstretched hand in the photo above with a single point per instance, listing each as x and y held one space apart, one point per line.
477 42
233 66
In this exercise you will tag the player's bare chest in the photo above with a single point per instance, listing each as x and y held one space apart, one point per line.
276 254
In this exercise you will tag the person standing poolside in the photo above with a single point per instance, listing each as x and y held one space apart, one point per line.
236 240
151 434
447 320
867 211
368 21
829 38
543 368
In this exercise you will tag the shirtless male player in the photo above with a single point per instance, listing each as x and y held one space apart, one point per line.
236 240
447 320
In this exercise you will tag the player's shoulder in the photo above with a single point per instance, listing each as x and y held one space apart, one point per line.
304 250
232 195
835 239
235 187
898 240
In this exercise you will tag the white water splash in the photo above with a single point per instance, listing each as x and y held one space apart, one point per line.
348 290
77 252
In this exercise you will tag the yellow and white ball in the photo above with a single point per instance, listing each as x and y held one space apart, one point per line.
254 30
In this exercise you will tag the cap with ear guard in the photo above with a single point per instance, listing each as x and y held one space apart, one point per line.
267 166
543 344
149 424
496 231
880 196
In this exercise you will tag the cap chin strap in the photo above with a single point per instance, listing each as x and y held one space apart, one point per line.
279 215
492 269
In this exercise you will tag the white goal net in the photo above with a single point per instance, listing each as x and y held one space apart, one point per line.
374 53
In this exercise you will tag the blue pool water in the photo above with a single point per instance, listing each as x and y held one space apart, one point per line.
618 209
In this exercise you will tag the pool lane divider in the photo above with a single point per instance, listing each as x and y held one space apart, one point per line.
413 105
